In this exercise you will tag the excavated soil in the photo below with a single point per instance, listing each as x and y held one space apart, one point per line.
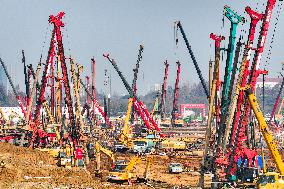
25 168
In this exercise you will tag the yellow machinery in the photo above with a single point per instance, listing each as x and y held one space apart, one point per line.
99 149
155 106
269 180
76 82
58 91
124 172
30 105
51 151
179 123
172 144
125 134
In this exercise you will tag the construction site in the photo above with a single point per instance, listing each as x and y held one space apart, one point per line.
62 126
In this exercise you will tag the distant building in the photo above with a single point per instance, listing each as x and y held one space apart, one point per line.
156 87
3 79
268 82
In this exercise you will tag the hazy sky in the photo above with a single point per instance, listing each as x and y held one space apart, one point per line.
119 27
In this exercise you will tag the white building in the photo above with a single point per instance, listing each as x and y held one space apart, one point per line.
268 82
156 87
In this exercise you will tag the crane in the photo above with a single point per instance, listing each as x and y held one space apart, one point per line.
221 130
176 90
178 25
93 92
124 137
13 88
270 179
55 37
96 103
255 71
217 39
162 108
235 19
135 71
237 98
76 87
138 105
27 83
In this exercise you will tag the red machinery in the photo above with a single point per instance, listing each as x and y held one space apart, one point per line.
56 37
242 123
162 105
93 81
175 107
138 105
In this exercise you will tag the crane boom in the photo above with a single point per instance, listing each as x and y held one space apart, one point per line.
176 90
162 108
138 105
238 97
235 19
193 59
13 88
263 127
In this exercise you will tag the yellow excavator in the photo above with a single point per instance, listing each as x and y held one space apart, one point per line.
99 148
268 180
123 172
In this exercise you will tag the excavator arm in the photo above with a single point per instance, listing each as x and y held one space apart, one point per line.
100 148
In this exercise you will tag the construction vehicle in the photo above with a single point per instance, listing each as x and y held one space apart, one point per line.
125 136
172 144
235 19
270 179
123 172
175 168
99 148
176 121
178 25
138 105
162 107
135 77
242 114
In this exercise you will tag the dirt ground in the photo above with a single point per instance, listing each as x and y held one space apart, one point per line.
159 169
25 168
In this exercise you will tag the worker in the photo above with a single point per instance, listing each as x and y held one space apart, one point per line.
68 152
79 156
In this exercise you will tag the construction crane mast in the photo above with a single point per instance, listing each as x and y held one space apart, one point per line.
237 98
56 37
138 105
27 81
13 88
93 92
176 90
135 70
235 19
217 39
240 125
162 105
178 25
